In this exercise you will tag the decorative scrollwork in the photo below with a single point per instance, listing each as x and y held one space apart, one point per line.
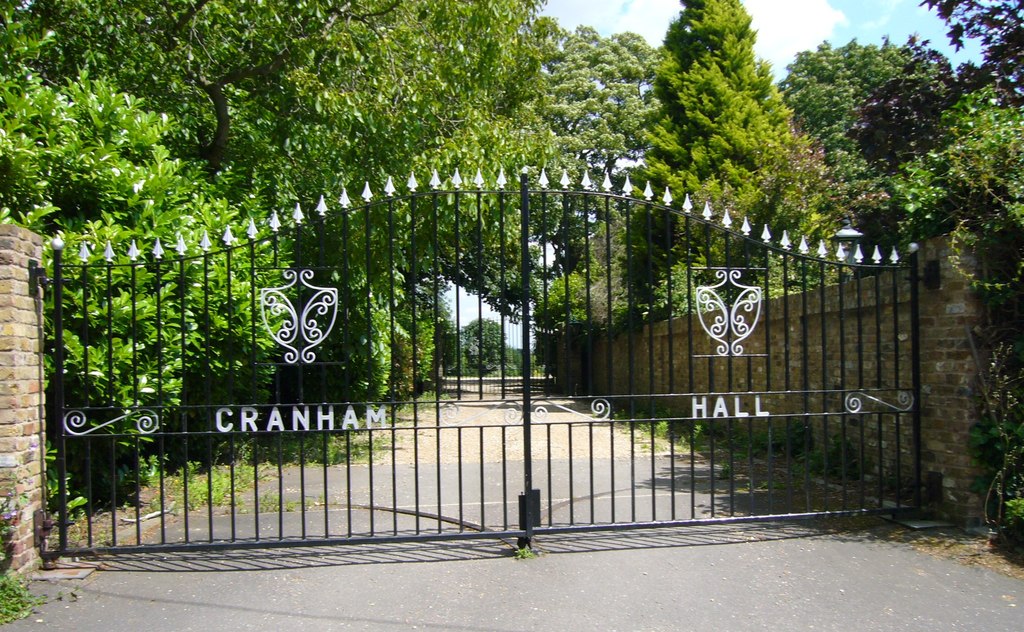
146 422
728 325
853 403
299 331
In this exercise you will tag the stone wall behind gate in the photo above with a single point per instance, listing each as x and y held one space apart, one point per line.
833 340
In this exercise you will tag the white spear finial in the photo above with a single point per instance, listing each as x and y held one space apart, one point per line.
228 238
389 187
804 246
687 204
667 198
108 252
250 230
502 180
297 215
766 235
543 180
822 249
607 184
180 247
707 210
321 207
456 179
727 219
204 243
367 193
746 228
478 180
158 250
648 191
133 251
565 180
435 181
343 199
786 243
876 256
858 255
83 252
627 186
411 183
586 183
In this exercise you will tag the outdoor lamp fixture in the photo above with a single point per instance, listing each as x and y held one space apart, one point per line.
848 237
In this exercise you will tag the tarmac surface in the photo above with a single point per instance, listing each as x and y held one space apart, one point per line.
754 576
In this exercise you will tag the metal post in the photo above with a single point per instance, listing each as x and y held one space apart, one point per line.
57 415
915 362
529 500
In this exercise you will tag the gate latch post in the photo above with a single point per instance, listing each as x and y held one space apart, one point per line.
529 514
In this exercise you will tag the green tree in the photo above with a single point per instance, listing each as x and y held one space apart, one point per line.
598 100
280 100
723 119
870 108
482 345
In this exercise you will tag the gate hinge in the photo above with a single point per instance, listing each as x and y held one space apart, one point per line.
37 277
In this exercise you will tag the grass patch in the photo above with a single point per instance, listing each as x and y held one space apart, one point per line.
16 602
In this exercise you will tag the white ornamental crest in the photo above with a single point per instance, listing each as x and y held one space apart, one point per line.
729 325
299 328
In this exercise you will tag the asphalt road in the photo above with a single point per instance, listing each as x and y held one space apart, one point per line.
786 576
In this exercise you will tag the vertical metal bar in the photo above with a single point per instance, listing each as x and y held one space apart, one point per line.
58 392
915 368
524 238
393 369
690 379
413 280
841 289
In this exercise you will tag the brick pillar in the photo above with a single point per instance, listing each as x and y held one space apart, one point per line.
949 377
21 396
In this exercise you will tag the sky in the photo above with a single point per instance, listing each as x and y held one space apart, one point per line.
784 27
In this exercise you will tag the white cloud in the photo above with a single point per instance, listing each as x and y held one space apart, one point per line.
786 28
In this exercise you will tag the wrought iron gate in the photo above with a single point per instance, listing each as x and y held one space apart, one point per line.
474 362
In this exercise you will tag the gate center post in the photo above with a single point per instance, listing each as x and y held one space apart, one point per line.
529 499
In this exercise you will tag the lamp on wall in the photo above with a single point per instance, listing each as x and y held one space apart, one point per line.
848 237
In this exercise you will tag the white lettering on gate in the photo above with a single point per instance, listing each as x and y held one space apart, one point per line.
720 407
250 419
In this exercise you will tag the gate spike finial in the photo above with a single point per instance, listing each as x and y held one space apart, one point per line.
250 230
204 243
858 255
727 219
228 238
108 252
565 180
543 181
822 249
785 242
707 210
456 179
648 191
389 187
687 204
343 199
275 222
876 256
435 181
478 180
804 247
627 186
766 235
297 215
667 198
133 251
180 247
502 180
746 228
321 207
895 256
367 193
411 183
607 184
840 252
83 252
158 250
585 182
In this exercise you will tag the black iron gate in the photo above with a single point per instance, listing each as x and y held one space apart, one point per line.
476 363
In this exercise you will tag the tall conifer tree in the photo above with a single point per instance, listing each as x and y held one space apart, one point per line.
724 121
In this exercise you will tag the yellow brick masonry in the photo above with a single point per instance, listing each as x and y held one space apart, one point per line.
20 388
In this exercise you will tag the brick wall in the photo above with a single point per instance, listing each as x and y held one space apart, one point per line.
828 341
21 395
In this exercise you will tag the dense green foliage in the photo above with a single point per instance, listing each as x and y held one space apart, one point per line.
724 123
598 101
